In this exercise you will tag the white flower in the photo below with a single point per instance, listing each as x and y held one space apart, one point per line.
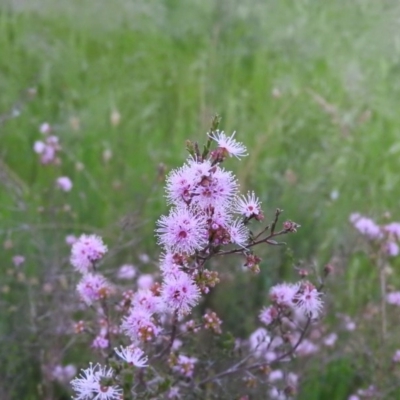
229 144
90 385
133 356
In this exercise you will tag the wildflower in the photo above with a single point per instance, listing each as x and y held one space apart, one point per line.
64 183
168 264
227 145
185 365
63 374
366 226
139 325
259 342
393 298
239 233
330 340
182 231
127 272
87 250
47 149
93 287
396 356
18 260
180 293
145 298
145 281
308 300
268 315
179 185
132 355
93 383
249 206
100 342
216 191
283 294
70 239
45 128
393 229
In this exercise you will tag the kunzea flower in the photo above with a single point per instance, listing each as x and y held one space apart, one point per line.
227 145
146 299
64 183
94 384
283 294
139 325
87 250
393 229
180 293
268 315
126 272
179 185
93 287
393 298
239 233
185 365
47 149
366 226
169 263
217 191
249 206
132 355
183 231
308 300
259 342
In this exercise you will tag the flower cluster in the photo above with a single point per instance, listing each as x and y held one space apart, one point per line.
386 236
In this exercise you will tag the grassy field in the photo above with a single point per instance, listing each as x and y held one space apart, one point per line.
312 88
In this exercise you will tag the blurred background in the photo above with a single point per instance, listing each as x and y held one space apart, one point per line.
312 88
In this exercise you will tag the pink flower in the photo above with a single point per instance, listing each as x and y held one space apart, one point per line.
283 294
259 342
216 191
132 355
145 298
393 298
308 300
64 183
366 226
90 384
145 281
182 231
393 229
268 315
248 206
47 149
70 239
87 250
228 145
392 248
100 342
185 365
180 293
396 356
330 340
63 374
239 233
45 128
168 265
179 185
139 325
18 260
126 271
93 287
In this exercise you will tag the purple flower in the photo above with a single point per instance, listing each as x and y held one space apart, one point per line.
93 287
180 293
64 183
87 250
182 231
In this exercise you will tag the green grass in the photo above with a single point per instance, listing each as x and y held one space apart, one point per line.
167 67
